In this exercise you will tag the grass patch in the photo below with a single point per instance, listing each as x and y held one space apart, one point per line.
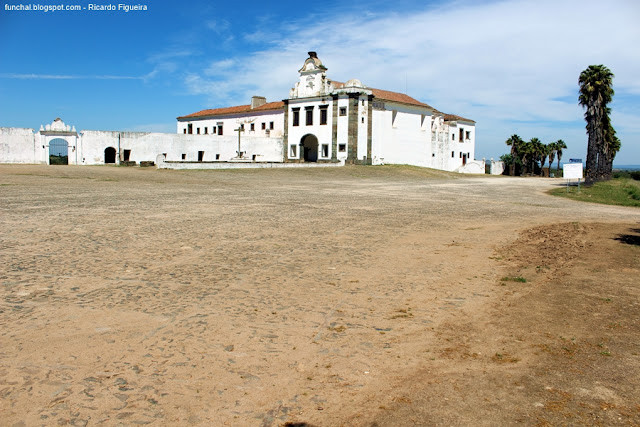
514 279
618 191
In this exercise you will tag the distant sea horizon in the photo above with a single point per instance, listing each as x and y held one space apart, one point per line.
615 167
627 167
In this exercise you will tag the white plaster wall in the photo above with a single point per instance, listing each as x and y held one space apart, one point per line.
403 141
497 167
363 127
322 132
147 146
466 146
231 122
343 128
18 145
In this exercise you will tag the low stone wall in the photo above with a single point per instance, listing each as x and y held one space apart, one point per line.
472 166
242 165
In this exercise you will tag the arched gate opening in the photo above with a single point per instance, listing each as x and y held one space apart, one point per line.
109 155
309 145
58 152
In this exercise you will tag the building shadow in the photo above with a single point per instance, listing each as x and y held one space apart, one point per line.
630 239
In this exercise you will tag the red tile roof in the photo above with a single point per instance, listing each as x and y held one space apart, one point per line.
453 117
390 96
269 106
279 105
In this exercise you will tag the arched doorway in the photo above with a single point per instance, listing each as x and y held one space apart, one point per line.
58 152
109 155
309 145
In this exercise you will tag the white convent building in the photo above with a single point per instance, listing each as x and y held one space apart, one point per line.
328 121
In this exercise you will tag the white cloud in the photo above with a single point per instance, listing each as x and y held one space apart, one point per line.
219 26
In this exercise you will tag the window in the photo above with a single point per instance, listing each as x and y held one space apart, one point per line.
214 129
206 130
323 115
190 128
271 125
200 156
217 156
253 127
453 154
309 114
325 150
433 154
185 131
264 125
461 135
296 117
198 131
219 129
343 111
362 120
241 126
292 151
453 136
342 148
461 154
468 135
184 156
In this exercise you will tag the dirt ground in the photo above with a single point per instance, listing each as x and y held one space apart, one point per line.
351 296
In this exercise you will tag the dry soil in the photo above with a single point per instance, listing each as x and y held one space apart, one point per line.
350 296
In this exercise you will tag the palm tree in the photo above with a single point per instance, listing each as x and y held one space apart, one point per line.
536 152
560 145
516 144
596 92
553 148
543 153
610 149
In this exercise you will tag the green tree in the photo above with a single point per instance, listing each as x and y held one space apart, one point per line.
560 145
553 149
543 152
610 149
516 143
536 150
596 91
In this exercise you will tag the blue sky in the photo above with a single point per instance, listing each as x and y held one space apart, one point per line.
512 66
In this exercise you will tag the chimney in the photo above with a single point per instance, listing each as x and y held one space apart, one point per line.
257 101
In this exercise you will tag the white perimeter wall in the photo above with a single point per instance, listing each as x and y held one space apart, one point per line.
18 145
147 146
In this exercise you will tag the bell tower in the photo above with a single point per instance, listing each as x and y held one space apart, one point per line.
313 79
